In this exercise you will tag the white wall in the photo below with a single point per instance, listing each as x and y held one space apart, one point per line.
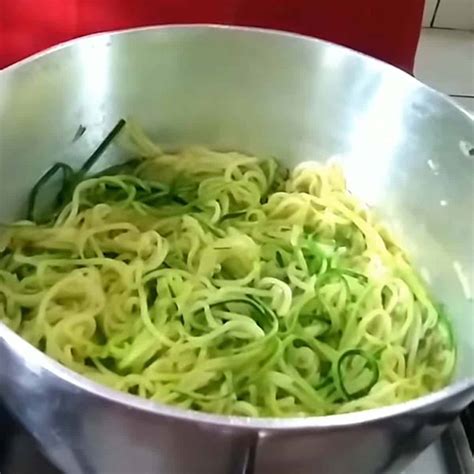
457 14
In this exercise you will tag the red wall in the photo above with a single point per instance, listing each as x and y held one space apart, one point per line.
387 30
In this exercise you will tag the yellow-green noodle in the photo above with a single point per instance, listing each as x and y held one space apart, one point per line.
220 282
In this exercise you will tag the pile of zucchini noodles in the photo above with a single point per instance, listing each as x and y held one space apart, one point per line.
222 283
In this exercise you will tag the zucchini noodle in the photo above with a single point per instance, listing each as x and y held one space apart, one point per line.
220 282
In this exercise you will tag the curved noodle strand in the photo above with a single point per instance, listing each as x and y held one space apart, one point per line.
218 282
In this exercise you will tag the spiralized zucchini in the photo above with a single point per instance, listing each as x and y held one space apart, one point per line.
221 283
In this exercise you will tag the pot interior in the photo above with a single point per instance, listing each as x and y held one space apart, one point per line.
404 148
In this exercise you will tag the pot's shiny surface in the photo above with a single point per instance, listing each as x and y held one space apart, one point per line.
405 149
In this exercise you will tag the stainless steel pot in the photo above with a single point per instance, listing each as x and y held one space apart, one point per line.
405 149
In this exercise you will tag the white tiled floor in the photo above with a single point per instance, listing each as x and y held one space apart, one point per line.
455 14
458 14
445 61
430 7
